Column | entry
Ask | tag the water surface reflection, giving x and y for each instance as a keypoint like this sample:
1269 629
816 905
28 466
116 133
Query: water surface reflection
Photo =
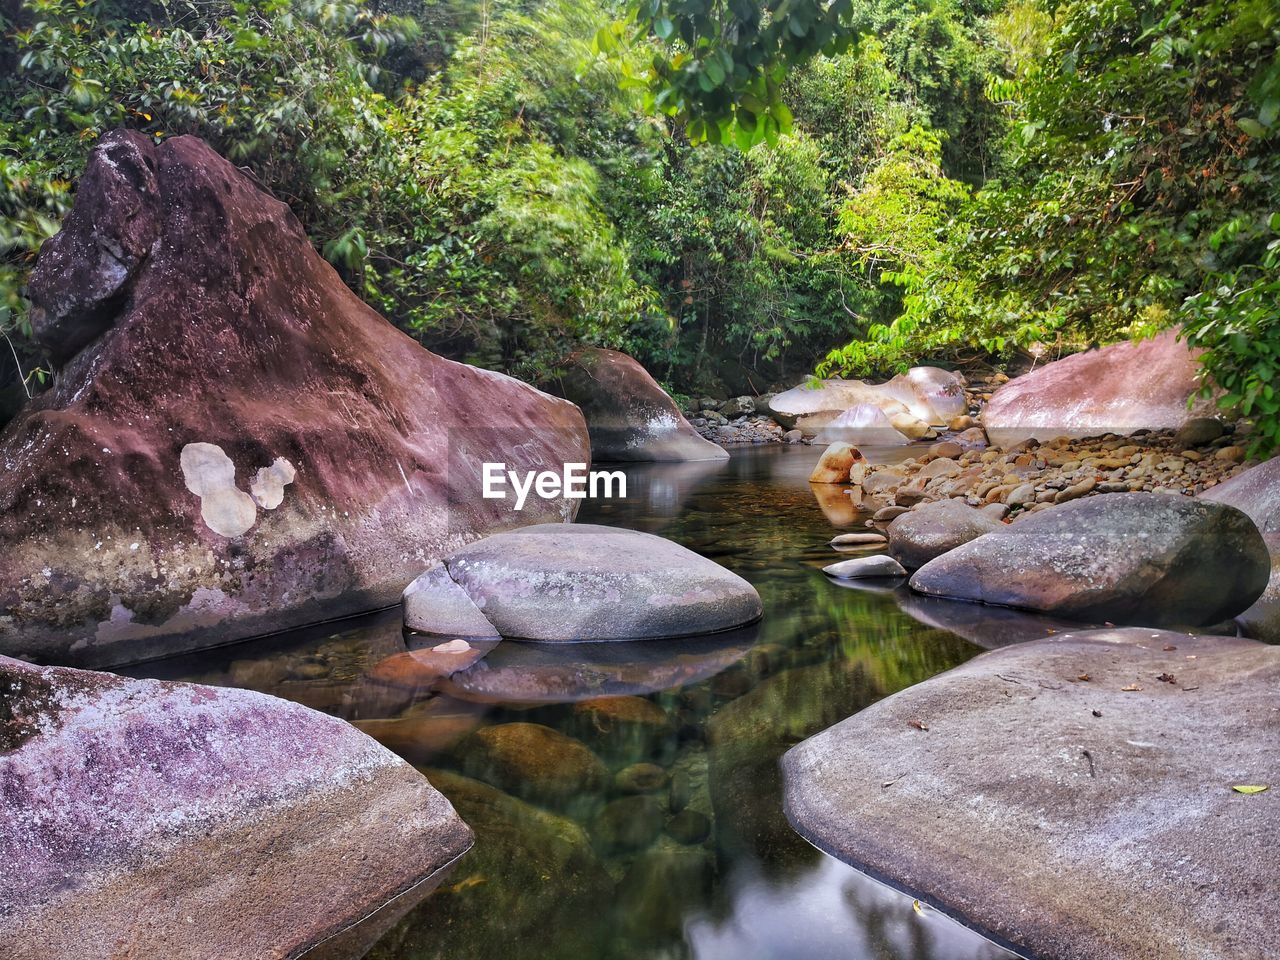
626 800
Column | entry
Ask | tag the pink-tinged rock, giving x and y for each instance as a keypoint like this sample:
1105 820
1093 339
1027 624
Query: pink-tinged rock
1120 389
235 443
419 669
142 818
630 417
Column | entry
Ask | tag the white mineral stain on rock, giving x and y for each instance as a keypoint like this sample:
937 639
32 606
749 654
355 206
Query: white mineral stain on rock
267 486
210 475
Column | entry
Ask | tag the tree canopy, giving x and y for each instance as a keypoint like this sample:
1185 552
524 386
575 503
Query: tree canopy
735 192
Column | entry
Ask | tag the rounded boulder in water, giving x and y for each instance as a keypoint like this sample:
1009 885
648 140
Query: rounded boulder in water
563 582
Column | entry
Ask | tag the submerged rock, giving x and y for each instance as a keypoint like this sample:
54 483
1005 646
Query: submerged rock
235 443
563 672
565 582
1122 388
533 762
148 818
1257 493
1077 793
623 728
932 529
628 415
532 887
627 825
1138 558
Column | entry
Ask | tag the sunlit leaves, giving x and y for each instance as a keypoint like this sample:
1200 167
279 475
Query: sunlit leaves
718 65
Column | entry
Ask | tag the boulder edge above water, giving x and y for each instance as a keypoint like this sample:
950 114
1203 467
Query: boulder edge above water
211 824
629 416
1257 493
1147 559
1072 819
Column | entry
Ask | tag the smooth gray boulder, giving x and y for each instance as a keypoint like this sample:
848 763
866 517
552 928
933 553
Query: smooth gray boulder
1257 493
434 603
1071 796
931 529
1134 558
567 582
865 567
145 818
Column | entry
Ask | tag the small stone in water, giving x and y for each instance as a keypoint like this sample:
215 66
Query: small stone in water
689 827
453 646
857 539
640 778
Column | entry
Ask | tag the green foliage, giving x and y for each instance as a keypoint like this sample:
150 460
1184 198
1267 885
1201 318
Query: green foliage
719 65
1137 191
1237 320
685 180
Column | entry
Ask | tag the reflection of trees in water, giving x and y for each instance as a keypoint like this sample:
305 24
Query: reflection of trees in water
535 886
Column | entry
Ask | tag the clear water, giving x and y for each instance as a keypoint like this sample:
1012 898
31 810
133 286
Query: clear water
593 871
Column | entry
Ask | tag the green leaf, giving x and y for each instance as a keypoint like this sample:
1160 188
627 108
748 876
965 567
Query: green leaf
1252 127
663 28
782 115
1250 788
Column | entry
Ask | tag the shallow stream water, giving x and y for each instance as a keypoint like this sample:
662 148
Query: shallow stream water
669 842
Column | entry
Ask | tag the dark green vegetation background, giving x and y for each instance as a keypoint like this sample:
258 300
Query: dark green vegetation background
505 179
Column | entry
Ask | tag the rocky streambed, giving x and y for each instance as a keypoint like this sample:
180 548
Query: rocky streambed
606 708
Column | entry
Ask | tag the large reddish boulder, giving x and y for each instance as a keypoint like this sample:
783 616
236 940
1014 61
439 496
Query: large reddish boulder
236 444
1121 389
145 818
630 417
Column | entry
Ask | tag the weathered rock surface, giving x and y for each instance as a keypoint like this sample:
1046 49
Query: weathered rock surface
934 528
1257 493
236 444
628 415
1117 389
147 818
566 582
925 394
1073 818
434 603
1135 558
